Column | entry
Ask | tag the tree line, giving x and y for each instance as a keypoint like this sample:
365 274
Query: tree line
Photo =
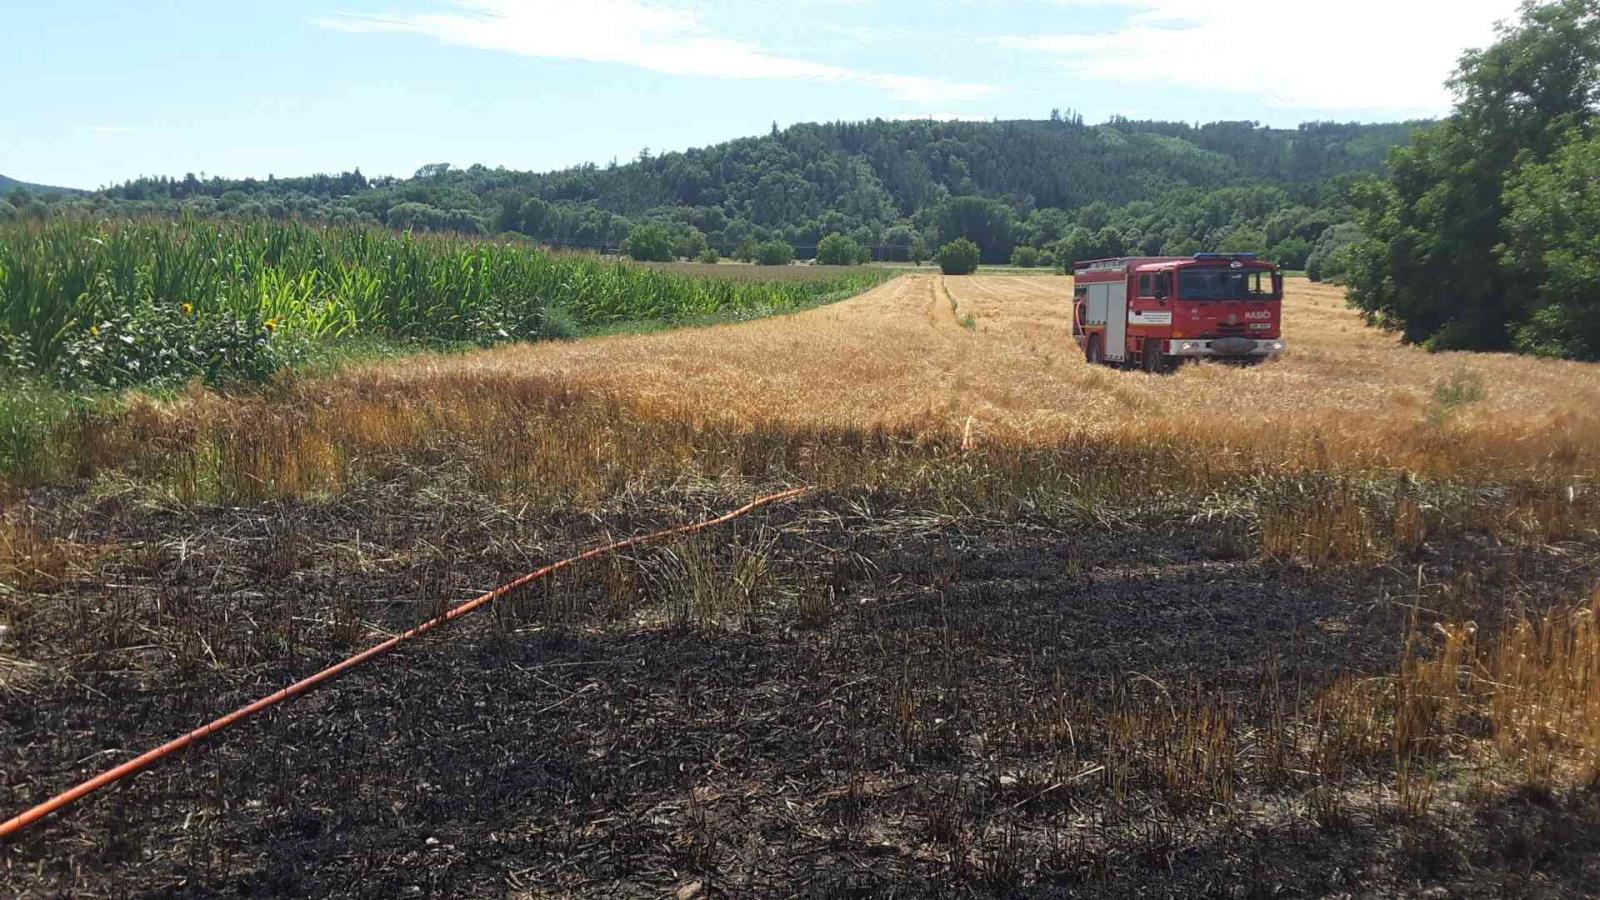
1485 233
1031 191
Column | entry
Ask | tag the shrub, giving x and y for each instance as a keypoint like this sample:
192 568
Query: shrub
1025 257
709 257
649 243
898 243
838 250
959 257
1290 253
774 253
1330 256
166 346
407 216
690 243
1080 244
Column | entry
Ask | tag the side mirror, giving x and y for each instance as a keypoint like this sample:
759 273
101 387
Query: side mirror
1161 290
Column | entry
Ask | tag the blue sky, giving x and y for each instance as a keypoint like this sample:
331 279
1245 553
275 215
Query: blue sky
100 92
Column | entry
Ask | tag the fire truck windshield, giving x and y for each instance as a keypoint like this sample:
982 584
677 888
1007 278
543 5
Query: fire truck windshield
1225 284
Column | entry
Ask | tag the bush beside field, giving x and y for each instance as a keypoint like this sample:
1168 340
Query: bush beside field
959 257
107 304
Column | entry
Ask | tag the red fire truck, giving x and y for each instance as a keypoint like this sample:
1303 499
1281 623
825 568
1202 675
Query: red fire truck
1156 311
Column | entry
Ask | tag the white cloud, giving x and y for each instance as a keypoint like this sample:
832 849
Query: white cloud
669 40
1389 55
110 129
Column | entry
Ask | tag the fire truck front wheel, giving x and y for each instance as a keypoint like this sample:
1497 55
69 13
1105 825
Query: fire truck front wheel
1154 361
1093 352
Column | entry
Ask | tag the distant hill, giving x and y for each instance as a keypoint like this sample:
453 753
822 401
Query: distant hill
7 184
889 185
1055 163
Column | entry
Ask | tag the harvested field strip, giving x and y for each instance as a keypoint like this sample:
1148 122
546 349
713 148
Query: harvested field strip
151 757
1347 396
870 373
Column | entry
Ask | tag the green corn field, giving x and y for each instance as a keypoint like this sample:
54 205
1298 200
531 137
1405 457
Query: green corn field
116 302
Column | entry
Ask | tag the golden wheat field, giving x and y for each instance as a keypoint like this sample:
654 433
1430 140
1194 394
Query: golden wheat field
1320 627
984 363
997 352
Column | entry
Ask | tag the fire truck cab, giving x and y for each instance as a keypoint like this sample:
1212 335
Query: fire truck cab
1156 311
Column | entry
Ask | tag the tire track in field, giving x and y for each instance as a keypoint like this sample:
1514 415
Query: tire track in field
1021 325
942 304
952 396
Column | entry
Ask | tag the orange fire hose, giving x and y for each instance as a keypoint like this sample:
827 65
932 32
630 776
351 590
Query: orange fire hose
149 758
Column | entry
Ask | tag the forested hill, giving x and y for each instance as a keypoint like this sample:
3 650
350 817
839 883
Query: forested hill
896 186
908 166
